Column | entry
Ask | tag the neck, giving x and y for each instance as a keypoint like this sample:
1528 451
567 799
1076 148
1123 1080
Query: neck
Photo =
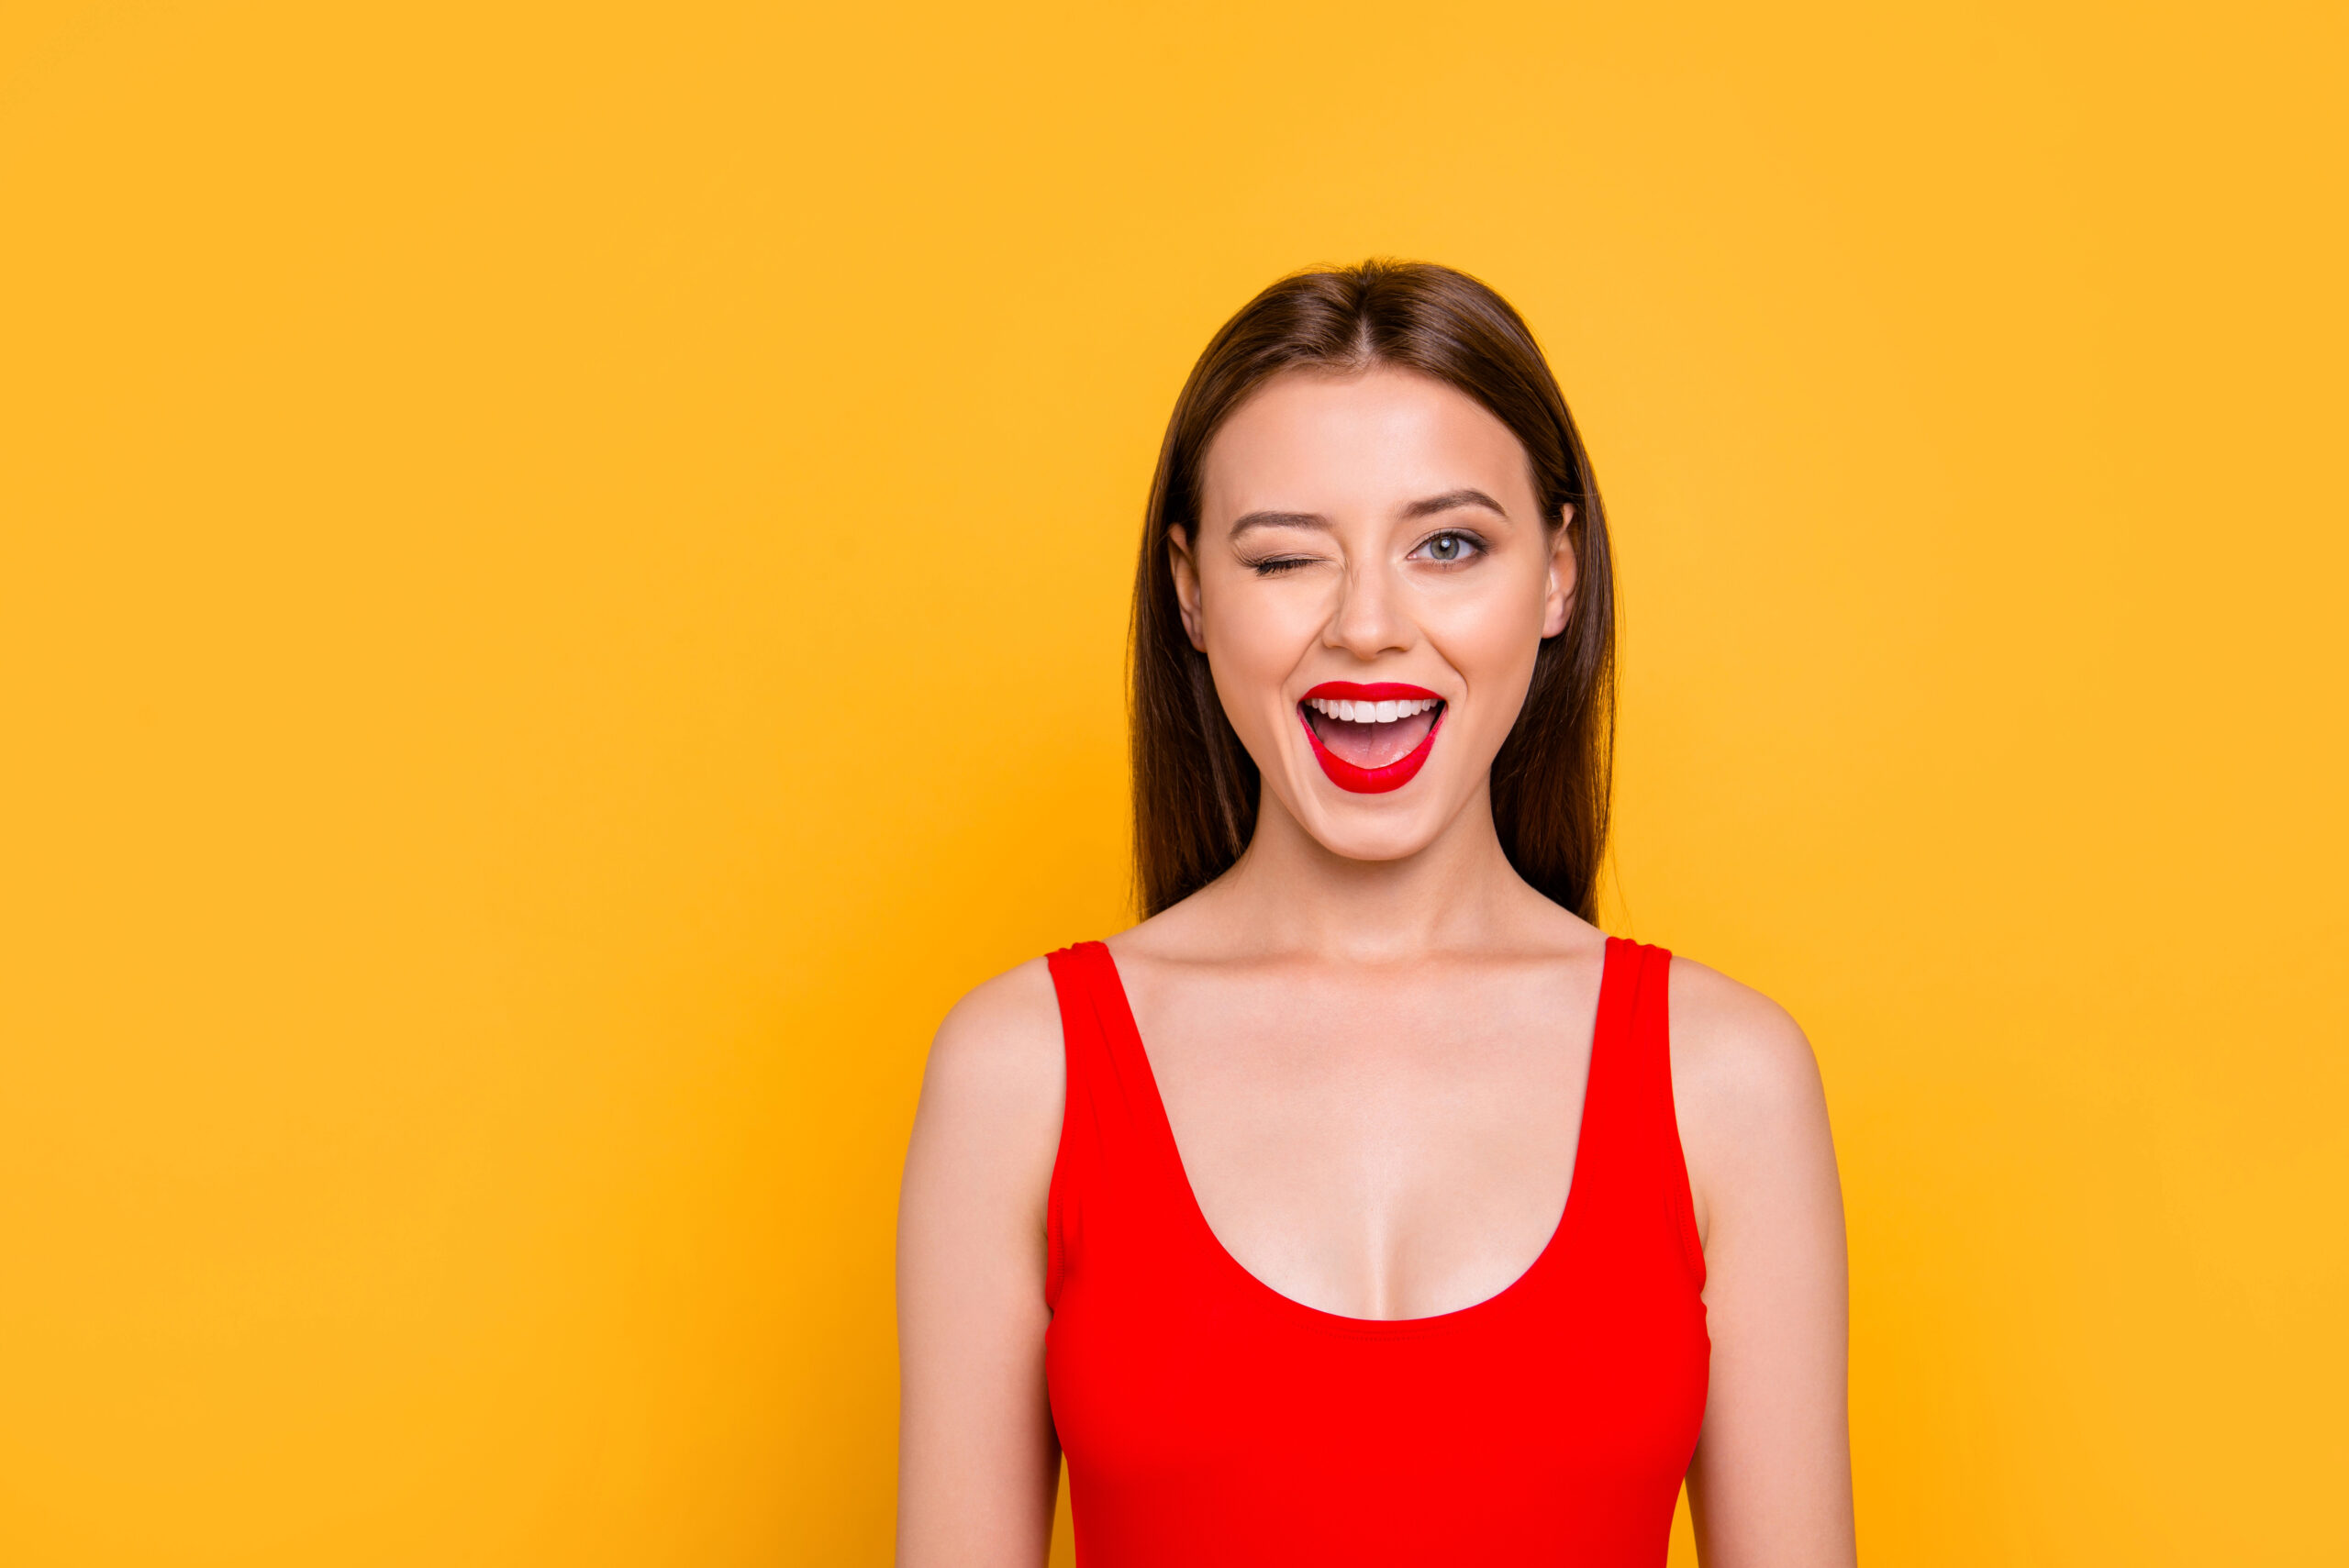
1288 893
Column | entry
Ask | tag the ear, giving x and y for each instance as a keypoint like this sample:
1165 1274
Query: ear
1186 583
1558 591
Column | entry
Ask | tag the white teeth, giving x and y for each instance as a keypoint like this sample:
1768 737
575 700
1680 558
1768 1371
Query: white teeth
1369 712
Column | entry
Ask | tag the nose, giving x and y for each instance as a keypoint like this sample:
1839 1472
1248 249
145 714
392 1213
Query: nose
1368 619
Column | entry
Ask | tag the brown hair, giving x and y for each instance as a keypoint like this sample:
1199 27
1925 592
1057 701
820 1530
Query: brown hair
1195 786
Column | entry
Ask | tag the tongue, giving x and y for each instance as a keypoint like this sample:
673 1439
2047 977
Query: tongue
1371 745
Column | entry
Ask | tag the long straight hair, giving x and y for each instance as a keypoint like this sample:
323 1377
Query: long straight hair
1195 786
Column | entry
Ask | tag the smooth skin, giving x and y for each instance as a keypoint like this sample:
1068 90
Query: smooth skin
1371 1034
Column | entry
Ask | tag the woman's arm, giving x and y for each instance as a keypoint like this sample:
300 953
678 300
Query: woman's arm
978 1463
1771 1486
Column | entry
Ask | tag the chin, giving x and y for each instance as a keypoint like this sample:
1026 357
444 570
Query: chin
1391 830
1374 849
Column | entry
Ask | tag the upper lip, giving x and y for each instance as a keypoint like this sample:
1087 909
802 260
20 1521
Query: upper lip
1374 691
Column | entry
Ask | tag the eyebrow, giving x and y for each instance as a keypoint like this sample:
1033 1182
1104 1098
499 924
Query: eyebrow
1450 500
1279 520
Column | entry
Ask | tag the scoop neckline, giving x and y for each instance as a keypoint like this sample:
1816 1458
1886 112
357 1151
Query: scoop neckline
1611 968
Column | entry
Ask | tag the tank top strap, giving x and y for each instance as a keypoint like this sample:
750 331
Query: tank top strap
1630 1130
1106 1118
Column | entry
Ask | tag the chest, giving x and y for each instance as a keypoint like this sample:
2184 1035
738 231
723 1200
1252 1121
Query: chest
1220 1402
1376 1149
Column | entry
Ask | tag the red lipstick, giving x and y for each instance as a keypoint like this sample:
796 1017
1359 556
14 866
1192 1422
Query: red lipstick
1352 776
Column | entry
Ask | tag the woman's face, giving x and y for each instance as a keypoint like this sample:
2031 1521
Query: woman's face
1371 581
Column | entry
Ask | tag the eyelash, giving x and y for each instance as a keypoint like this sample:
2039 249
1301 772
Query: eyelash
1463 535
1275 565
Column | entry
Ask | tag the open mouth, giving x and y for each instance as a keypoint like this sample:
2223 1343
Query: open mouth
1371 739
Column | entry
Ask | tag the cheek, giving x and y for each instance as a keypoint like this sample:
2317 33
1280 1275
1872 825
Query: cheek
1492 640
1256 633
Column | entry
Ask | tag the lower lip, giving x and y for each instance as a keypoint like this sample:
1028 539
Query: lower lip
1373 781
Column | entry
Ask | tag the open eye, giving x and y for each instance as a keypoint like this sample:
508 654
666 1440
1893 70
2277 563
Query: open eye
1450 548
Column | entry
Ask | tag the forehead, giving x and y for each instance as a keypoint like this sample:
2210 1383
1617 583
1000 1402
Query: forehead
1370 441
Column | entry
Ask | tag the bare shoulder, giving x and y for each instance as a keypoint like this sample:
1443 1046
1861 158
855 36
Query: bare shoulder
972 1259
999 1048
1728 1039
1745 1087
988 1125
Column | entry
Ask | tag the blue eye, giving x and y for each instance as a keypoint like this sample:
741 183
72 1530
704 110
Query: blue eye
1448 549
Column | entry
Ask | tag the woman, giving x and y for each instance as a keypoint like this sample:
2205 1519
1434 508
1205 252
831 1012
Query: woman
1429 1224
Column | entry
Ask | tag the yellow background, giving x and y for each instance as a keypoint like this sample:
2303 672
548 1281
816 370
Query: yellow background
563 573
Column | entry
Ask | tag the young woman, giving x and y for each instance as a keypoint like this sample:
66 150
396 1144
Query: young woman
1366 1204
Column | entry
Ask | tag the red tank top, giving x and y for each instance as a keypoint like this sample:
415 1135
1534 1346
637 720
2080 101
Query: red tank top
1207 1419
